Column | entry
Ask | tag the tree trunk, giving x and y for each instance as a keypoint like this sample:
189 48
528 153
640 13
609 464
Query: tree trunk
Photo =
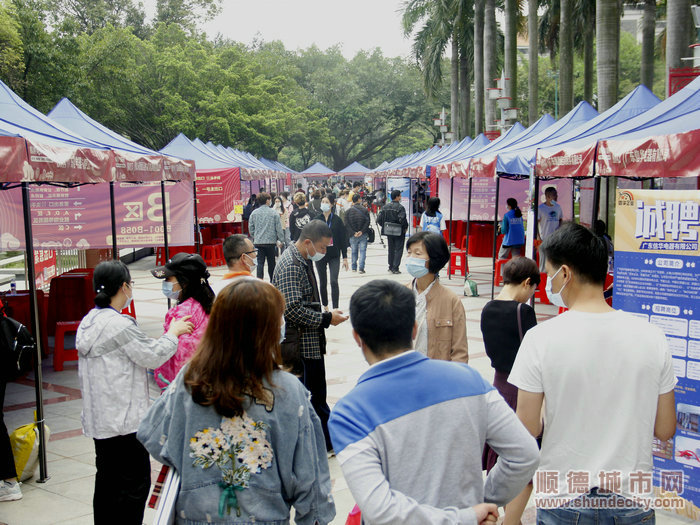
607 26
511 50
566 57
648 30
454 88
489 57
588 63
464 95
676 34
478 66
533 55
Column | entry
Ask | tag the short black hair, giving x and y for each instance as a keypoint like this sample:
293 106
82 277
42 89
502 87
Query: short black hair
432 206
518 269
579 248
435 245
107 280
376 302
234 247
355 198
550 189
299 185
315 231
395 193
356 185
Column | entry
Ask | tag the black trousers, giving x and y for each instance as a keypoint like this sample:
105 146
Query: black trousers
395 243
7 460
122 482
266 251
314 379
333 264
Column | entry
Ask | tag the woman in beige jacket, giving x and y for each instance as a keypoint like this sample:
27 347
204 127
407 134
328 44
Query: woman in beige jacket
442 323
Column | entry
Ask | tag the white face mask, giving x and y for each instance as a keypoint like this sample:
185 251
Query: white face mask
555 298
253 264
129 299
316 256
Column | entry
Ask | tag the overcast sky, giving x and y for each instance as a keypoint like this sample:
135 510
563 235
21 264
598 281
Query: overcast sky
355 24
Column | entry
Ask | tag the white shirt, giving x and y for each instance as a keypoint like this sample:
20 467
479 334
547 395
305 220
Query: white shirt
601 375
549 218
421 342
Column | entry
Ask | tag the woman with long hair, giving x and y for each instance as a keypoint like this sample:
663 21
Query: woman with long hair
337 247
113 355
432 220
513 231
240 432
185 280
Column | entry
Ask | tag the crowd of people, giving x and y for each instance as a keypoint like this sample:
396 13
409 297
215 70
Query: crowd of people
244 420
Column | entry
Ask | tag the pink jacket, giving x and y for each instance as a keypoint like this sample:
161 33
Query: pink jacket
187 343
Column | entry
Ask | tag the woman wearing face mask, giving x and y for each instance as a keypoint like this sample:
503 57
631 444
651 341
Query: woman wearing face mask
113 354
504 322
185 281
442 323
241 433
337 247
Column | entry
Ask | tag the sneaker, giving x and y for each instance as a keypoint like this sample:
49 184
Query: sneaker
396 272
10 491
362 271
354 270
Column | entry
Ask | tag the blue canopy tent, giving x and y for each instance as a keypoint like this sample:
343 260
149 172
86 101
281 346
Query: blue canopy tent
318 169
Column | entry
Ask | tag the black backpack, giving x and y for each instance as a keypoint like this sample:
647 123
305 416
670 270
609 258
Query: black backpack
17 348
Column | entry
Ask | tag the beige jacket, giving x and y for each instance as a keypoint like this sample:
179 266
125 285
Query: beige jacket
447 325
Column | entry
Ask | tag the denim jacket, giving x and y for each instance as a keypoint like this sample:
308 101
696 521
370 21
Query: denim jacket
281 460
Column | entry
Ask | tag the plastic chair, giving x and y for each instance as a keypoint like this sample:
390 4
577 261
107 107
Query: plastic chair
210 254
498 278
541 292
60 354
461 256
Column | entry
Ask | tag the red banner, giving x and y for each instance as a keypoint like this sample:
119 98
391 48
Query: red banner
136 167
483 167
13 159
179 169
44 267
218 195
567 162
68 164
676 155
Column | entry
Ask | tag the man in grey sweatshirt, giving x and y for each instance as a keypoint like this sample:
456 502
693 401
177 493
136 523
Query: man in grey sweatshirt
265 227
409 437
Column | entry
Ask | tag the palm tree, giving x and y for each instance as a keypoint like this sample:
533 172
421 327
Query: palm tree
511 10
490 56
648 30
533 55
677 13
478 66
608 50
566 57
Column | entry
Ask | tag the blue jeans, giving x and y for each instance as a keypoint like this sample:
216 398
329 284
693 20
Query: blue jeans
596 512
359 247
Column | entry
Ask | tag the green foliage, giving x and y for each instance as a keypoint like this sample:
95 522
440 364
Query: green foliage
150 82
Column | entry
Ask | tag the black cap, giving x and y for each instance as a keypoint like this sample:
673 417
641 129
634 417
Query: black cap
187 263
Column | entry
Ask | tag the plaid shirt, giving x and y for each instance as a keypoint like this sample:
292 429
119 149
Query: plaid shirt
292 280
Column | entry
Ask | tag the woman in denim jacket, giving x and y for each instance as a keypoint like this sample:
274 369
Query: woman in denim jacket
241 433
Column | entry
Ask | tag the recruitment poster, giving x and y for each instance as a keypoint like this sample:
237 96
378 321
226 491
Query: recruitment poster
403 184
657 277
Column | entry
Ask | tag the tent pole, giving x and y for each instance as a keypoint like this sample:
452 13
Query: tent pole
469 223
165 226
197 240
607 199
34 315
596 200
452 199
535 204
495 238
115 248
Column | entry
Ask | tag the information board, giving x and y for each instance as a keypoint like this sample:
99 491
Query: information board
657 277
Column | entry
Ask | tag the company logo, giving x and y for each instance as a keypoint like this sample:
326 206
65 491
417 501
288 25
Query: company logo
625 198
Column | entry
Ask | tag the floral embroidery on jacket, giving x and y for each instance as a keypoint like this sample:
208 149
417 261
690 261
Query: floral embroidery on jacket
239 447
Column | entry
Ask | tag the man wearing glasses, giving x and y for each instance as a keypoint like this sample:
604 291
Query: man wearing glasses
241 259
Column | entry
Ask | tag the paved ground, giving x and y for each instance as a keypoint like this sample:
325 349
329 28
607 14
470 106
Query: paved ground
67 496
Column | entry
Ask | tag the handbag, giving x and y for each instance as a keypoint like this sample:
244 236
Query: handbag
370 235
17 346
392 228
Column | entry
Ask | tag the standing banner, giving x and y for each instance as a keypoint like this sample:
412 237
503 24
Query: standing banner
218 194
44 267
402 184
657 277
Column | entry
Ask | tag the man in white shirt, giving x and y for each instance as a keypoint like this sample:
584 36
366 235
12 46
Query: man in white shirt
241 259
549 218
608 381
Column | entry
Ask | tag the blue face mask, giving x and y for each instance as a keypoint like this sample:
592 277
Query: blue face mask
169 292
416 267
325 207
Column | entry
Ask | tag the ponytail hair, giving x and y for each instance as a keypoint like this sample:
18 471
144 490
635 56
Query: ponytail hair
107 280
514 206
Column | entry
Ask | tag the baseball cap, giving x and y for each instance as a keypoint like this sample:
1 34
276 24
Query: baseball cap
188 263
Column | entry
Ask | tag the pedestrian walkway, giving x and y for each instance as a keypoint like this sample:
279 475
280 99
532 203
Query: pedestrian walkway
66 497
